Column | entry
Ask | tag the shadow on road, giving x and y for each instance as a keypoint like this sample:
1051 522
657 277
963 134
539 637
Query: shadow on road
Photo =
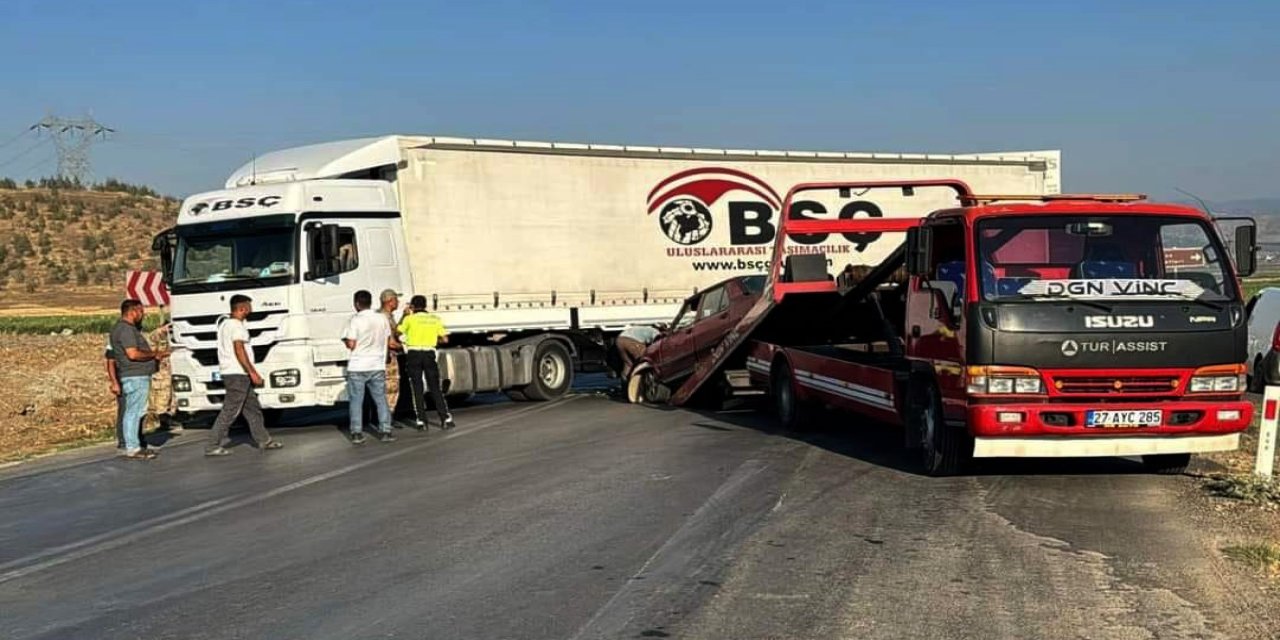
882 445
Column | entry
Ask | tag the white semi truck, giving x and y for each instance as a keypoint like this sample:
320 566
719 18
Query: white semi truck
534 254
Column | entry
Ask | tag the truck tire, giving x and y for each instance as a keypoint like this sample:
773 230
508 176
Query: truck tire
793 413
943 449
1169 464
552 372
1256 381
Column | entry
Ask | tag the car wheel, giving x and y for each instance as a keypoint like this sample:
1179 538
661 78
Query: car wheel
650 390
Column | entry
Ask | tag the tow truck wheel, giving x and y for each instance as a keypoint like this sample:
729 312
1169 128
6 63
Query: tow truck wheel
1169 464
793 413
552 372
941 447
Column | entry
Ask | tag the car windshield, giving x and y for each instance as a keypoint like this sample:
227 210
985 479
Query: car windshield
1116 257
250 253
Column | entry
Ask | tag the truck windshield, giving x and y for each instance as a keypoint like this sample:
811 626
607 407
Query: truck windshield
1113 257
234 254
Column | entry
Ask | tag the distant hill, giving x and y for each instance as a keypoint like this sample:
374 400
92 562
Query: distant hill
56 236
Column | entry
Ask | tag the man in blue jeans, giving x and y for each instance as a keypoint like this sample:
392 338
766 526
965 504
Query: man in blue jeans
368 337
135 364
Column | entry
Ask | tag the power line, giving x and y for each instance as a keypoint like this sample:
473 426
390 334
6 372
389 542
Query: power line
14 138
39 143
43 161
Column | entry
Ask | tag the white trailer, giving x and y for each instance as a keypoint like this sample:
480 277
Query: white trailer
534 254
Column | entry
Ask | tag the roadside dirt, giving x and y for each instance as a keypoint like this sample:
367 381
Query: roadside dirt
53 394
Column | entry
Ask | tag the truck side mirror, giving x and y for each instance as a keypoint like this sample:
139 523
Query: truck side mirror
1246 250
918 249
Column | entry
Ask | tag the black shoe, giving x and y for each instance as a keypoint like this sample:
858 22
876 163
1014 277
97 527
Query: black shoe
358 438
387 436
420 425
448 423
271 445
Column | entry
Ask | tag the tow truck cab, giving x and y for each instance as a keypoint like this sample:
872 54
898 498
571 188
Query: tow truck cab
1010 326
1076 317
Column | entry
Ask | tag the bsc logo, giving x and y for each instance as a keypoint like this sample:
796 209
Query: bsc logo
685 201
686 221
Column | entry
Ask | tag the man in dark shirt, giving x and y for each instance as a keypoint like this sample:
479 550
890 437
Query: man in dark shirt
135 363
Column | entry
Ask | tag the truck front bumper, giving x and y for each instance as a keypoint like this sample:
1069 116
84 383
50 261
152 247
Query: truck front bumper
1085 447
1035 430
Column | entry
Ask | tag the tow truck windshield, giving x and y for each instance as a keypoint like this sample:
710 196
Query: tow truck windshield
247 253
1101 257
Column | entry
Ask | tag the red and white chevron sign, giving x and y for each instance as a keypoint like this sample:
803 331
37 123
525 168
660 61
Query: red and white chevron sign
148 287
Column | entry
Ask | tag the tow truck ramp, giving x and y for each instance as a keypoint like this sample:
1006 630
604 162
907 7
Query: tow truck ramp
807 273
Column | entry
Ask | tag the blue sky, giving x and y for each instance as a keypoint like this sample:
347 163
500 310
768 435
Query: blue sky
1140 96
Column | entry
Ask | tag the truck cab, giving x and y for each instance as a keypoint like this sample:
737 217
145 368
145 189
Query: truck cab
1073 317
298 250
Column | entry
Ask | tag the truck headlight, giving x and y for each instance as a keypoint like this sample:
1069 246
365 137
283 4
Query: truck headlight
181 384
1003 381
1218 379
286 378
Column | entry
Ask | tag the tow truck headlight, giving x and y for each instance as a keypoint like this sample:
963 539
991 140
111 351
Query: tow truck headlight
181 384
286 378
1003 381
1218 379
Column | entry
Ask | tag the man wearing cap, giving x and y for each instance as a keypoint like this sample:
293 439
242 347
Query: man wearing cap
390 304
420 333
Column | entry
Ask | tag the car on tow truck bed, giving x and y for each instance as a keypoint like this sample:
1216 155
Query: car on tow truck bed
701 323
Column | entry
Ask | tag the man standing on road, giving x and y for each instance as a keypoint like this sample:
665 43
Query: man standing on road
368 337
239 377
390 303
135 363
630 346
160 400
421 332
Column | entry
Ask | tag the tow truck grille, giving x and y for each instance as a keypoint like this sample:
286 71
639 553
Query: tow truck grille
1117 385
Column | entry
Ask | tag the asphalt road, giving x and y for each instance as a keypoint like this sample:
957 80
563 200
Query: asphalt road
589 518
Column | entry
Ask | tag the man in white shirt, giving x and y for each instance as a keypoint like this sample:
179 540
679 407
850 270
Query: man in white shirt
368 337
239 377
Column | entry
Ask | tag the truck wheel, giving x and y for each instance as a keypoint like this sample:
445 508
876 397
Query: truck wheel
1256 381
1169 464
942 448
552 372
793 413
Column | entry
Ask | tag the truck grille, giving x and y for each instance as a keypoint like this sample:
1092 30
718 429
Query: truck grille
1117 385
209 357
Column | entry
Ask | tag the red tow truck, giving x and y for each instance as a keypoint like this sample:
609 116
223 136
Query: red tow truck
1008 326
